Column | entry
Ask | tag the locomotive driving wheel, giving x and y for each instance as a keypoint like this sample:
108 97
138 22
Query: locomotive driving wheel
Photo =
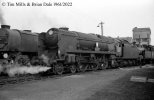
82 68
113 63
72 68
59 69
94 67
22 60
104 65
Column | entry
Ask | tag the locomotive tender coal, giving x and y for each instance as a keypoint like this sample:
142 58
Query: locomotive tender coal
65 50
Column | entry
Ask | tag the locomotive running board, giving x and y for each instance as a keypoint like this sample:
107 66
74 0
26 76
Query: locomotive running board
90 52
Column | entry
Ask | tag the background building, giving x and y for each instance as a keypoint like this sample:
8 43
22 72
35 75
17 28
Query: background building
142 36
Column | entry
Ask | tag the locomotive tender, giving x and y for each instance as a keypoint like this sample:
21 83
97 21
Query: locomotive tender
148 54
65 50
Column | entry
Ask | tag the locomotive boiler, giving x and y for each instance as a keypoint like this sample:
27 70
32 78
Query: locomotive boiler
17 45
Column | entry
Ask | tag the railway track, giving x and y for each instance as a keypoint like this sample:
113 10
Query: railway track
6 80
14 80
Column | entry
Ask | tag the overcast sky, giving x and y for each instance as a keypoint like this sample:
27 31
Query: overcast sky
119 16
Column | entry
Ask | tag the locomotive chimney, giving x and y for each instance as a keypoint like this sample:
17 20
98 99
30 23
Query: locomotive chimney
64 28
5 26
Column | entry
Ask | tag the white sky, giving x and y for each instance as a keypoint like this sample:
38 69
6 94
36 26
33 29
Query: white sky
119 16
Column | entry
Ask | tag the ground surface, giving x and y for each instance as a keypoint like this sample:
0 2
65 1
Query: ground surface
101 85
128 88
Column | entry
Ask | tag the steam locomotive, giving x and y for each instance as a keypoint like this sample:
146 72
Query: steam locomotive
75 51
72 51
17 45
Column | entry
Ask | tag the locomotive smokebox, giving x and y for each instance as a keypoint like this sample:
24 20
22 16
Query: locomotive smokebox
5 26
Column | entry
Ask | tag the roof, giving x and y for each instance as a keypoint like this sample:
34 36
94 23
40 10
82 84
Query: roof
141 29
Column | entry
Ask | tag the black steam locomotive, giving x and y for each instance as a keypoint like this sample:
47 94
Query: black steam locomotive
16 45
65 50
75 51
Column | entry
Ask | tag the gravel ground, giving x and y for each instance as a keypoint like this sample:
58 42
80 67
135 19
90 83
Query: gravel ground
101 85
126 88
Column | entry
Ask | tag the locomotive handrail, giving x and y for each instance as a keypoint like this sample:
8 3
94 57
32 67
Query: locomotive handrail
94 52
94 40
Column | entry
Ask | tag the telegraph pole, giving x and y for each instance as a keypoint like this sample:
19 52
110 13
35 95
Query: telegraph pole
101 25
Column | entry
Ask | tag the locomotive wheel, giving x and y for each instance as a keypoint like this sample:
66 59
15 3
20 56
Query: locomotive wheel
22 60
104 65
35 61
82 68
59 69
72 68
131 63
113 63
94 67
